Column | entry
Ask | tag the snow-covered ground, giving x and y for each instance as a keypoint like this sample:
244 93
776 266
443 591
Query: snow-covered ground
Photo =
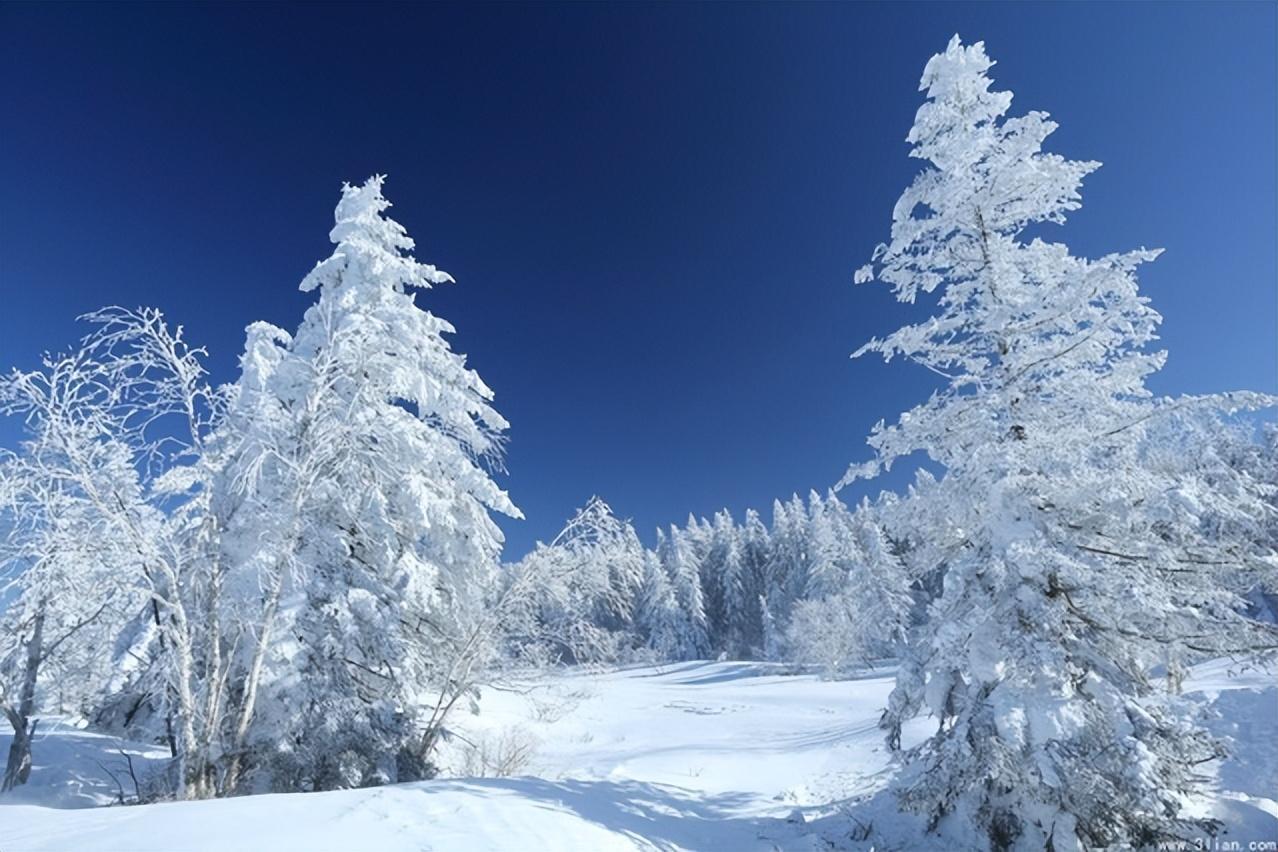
702 756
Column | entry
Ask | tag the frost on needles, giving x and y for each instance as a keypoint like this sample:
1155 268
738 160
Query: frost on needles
1080 544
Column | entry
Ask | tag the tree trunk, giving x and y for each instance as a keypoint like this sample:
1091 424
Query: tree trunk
1176 673
168 710
18 767
215 674
252 679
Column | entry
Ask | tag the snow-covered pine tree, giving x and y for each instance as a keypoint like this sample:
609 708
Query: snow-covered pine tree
1226 453
678 559
386 548
657 617
607 559
724 574
865 615
625 559
1257 461
771 633
1077 563
786 568
746 614
879 583
827 563
697 535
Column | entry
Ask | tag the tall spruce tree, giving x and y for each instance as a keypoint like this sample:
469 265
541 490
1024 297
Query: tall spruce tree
380 544
1075 556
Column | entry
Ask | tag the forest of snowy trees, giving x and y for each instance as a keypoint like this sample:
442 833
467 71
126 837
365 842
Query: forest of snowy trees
823 585
294 580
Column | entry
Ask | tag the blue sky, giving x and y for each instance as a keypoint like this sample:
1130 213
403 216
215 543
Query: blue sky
653 212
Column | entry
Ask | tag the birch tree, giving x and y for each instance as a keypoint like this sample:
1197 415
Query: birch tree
116 428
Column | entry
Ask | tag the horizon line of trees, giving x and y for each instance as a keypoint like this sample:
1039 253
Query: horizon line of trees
823 585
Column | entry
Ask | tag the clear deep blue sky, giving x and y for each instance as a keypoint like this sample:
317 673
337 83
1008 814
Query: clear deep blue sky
653 212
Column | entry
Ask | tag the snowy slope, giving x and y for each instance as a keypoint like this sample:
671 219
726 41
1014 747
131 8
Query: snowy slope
691 756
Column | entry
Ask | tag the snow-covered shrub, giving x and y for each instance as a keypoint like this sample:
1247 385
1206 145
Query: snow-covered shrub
499 755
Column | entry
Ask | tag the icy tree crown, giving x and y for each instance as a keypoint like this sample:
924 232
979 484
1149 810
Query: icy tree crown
961 131
1025 333
363 235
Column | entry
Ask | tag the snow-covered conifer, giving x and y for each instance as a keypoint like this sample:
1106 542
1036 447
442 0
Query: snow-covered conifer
1035 657
380 549
746 615
827 555
658 621
723 576
866 616
678 559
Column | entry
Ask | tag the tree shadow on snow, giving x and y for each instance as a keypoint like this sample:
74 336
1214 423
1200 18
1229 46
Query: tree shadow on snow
725 672
665 817
75 768
668 669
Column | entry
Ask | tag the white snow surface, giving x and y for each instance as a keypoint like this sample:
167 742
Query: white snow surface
697 756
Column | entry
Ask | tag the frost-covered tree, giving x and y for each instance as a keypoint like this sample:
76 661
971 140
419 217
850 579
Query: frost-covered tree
828 555
1202 442
745 613
866 616
66 580
881 582
624 561
722 580
1076 557
116 429
658 621
370 536
679 561
786 570
698 537
825 633
582 609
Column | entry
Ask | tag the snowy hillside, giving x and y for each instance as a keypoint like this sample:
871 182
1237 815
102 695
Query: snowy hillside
697 756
